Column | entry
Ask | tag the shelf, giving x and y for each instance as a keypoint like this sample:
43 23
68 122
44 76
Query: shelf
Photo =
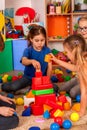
59 14
55 40
79 13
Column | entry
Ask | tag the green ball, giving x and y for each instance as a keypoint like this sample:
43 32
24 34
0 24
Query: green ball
9 78
67 78
20 73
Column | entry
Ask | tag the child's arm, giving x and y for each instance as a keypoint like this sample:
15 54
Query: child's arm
26 61
49 69
64 64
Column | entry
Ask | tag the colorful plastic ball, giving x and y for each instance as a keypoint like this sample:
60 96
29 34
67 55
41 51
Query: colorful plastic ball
14 78
34 128
58 120
1 80
68 71
10 95
19 101
67 78
20 74
9 78
4 79
78 98
54 126
74 116
67 124
54 79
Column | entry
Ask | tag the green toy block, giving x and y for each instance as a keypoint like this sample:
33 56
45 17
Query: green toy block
6 62
45 91
54 51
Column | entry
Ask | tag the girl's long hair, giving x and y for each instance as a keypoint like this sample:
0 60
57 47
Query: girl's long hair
35 30
79 45
2 45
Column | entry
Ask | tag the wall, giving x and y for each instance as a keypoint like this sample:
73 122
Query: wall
2 4
17 4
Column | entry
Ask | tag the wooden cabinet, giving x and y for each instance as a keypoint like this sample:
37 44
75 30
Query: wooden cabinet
61 24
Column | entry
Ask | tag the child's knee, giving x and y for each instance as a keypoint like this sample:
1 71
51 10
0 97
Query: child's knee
73 94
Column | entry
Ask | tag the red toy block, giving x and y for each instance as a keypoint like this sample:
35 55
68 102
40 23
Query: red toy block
41 87
46 80
62 98
40 100
36 80
38 74
37 110
54 105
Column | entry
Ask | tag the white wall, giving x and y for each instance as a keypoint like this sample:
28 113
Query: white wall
39 6
2 4
17 4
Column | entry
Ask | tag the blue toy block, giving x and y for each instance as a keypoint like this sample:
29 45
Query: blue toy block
18 49
46 114
27 112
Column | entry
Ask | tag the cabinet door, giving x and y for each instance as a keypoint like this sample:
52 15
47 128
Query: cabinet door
18 48
6 62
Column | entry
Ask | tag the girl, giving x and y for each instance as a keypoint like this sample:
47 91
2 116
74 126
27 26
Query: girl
82 26
7 108
76 50
72 86
33 59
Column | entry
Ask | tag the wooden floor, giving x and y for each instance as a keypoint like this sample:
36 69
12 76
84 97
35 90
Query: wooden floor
79 127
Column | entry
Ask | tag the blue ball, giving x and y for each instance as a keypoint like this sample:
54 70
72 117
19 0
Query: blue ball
54 126
67 124
78 98
34 128
10 95
54 79
1 81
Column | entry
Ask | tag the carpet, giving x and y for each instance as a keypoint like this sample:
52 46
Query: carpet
26 122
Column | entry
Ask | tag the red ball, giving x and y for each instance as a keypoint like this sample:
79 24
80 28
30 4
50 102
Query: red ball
20 76
14 78
58 120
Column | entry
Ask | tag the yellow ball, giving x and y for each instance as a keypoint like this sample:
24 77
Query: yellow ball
74 116
19 101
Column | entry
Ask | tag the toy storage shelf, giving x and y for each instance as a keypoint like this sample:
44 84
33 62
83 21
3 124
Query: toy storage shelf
61 25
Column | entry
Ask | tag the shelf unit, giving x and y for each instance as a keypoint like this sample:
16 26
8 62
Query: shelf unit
62 24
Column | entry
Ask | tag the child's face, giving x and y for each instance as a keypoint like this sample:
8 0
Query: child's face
38 42
83 28
69 53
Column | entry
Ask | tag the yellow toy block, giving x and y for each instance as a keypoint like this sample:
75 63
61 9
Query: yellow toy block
47 58
58 113
2 21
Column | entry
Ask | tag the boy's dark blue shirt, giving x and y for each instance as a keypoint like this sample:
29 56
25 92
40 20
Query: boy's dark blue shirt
30 53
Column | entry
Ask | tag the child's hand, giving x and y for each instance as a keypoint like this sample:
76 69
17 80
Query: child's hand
6 111
53 58
6 99
36 64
